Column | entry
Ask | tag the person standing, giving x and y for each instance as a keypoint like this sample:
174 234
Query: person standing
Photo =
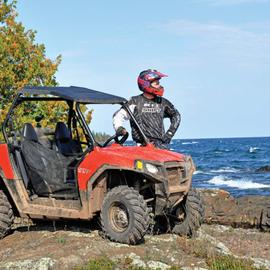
149 109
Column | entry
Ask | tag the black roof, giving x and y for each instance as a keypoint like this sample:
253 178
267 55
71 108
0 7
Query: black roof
74 93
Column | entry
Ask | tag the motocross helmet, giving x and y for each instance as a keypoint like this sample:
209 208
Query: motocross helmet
145 79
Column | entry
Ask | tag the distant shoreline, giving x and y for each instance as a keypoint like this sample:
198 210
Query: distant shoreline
259 137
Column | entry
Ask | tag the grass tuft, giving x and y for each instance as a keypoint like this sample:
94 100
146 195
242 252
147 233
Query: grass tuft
222 262
61 240
98 264
214 262
105 263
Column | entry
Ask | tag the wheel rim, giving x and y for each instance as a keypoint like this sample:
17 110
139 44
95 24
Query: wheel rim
181 213
118 216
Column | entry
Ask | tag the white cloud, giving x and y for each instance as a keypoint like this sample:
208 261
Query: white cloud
214 29
246 42
230 2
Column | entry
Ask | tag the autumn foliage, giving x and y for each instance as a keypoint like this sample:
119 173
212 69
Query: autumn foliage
23 62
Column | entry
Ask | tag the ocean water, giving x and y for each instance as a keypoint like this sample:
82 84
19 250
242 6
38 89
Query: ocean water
229 163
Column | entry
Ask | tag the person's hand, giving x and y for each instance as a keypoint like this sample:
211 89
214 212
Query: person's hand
166 139
121 131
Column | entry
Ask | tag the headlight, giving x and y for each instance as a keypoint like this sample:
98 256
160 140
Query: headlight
151 168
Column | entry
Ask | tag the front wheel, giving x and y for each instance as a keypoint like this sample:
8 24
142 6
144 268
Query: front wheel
189 214
124 215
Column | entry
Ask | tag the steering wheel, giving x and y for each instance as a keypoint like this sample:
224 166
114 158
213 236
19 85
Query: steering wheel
117 138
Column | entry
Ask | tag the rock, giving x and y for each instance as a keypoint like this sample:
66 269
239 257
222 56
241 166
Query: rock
136 260
70 262
264 169
162 238
265 219
219 246
66 249
157 265
118 245
41 264
261 263
246 212
79 234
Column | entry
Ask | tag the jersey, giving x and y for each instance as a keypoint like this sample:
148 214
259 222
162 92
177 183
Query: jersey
150 114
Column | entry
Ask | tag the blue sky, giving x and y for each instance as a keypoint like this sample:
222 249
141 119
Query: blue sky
216 53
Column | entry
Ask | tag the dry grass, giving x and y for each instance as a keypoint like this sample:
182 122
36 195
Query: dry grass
199 247
105 263
216 261
220 262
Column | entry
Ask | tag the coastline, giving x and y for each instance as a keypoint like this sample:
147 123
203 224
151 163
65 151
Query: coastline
234 230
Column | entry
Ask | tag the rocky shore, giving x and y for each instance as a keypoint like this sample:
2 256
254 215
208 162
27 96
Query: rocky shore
238 228
243 212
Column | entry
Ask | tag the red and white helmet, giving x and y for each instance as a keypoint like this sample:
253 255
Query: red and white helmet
145 79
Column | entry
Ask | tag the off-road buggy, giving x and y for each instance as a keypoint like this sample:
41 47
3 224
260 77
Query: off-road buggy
75 177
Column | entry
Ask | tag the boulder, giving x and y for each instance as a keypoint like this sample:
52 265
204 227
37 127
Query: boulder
264 169
245 212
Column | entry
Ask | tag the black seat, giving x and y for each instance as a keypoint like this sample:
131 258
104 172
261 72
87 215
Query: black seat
47 169
63 140
29 133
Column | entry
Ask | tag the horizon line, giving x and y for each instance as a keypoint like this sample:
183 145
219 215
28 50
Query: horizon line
233 137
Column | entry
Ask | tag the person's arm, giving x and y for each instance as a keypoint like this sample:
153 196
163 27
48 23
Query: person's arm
175 118
120 117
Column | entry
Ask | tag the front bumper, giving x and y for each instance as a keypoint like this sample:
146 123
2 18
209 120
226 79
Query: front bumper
178 177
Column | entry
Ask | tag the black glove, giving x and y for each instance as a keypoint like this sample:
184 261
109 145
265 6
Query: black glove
166 138
121 131
160 144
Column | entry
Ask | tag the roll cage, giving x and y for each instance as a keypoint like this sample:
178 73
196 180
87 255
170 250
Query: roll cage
74 96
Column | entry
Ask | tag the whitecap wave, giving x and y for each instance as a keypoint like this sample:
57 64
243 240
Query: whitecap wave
198 172
225 170
189 142
240 183
253 149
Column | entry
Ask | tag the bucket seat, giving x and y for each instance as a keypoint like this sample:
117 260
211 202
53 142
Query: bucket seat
46 168
64 142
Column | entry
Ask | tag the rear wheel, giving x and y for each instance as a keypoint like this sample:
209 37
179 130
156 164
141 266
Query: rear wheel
189 214
124 215
6 215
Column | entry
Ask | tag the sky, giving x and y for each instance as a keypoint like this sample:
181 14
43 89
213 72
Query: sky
216 54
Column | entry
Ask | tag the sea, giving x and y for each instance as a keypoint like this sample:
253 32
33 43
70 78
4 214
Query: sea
229 163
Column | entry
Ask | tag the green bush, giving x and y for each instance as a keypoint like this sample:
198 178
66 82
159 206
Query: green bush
98 264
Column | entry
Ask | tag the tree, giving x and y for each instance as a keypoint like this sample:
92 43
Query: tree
22 62
100 137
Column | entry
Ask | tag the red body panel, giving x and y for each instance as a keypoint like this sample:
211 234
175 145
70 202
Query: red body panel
121 156
5 163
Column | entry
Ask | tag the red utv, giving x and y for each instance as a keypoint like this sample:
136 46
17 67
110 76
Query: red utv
66 174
